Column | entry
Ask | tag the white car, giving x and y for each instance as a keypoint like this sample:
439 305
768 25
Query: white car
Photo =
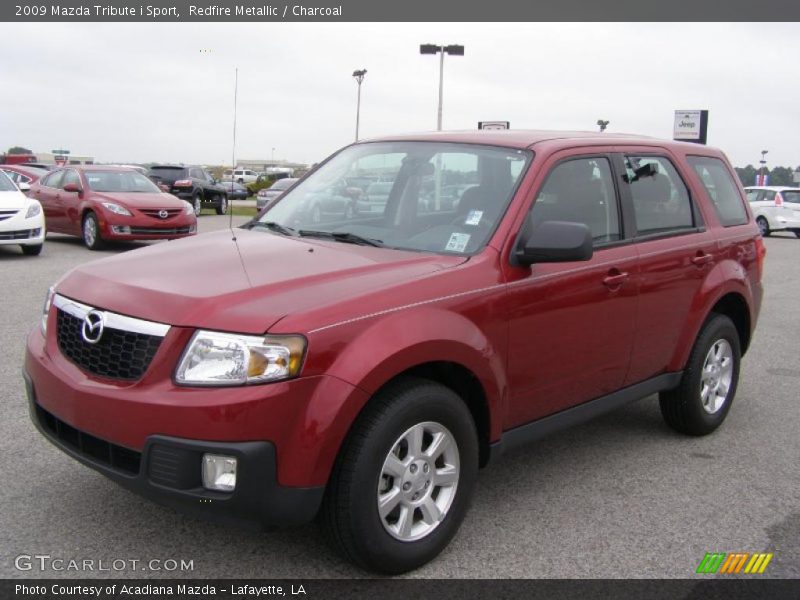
775 208
242 176
21 218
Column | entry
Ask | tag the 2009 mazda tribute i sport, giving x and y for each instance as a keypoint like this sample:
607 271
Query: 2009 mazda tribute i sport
358 356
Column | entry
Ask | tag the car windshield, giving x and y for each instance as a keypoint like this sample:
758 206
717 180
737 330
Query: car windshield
120 181
401 195
6 185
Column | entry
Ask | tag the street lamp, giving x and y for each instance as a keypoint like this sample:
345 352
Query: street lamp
359 77
453 49
763 163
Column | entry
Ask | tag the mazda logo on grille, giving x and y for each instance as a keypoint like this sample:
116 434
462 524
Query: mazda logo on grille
92 328
163 214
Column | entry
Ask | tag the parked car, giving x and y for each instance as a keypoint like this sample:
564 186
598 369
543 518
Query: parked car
23 174
35 165
21 218
374 198
193 184
235 191
268 196
240 176
365 368
103 204
776 208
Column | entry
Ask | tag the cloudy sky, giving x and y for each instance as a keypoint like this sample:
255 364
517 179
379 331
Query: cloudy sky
165 92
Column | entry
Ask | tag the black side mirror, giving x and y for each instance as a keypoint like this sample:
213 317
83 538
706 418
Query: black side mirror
553 241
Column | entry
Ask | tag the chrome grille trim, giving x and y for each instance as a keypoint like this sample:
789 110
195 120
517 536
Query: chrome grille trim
111 319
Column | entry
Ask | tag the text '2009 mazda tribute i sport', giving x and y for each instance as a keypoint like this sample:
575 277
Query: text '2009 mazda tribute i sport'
364 366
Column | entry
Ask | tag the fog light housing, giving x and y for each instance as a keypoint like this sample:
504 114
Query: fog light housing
121 229
219 472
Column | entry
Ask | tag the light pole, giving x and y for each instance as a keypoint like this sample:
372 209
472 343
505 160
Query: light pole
453 49
763 163
359 77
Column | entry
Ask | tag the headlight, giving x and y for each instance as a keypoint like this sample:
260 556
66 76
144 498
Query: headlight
33 210
188 209
117 209
46 308
214 358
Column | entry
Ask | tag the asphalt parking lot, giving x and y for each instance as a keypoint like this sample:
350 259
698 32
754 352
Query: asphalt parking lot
622 496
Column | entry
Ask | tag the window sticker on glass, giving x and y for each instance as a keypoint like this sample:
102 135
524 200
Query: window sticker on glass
474 217
457 242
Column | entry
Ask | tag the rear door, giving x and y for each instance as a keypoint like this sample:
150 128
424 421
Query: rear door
675 250
571 325
69 203
46 193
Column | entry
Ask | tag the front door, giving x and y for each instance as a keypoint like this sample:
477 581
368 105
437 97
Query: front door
572 324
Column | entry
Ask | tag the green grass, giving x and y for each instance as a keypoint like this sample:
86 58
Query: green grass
238 211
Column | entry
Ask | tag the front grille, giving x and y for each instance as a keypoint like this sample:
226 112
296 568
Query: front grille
100 451
19 234
161 230
171 212
118 355
7 214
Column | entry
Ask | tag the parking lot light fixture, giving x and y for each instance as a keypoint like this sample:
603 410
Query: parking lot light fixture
454 50
359 77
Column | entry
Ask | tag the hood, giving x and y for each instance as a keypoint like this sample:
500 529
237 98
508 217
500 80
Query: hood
245 284
140 200
13 200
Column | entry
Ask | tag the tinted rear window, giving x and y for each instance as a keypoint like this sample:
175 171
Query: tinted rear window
721 188
168 173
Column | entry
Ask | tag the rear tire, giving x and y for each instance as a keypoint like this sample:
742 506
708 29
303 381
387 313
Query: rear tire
763 226
91 232
222 204
32 250
414 450
704 396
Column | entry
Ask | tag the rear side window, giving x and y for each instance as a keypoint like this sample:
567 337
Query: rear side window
660 199
792 196
581 190
54 180
70 177
721 188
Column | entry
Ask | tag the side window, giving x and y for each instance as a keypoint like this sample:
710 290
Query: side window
69 177
660 199
752 195
196 174
769 196
721 188
53 180
12 175
581 190
792 196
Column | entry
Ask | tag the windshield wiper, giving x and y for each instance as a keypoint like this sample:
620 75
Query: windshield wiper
272 226
342 236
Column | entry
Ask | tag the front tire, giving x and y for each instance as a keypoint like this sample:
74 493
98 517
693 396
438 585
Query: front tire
763 226
403 480
704 396
91 232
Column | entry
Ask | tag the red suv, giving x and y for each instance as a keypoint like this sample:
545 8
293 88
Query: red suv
364 366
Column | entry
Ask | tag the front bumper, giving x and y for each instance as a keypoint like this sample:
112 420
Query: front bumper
168 471
18 230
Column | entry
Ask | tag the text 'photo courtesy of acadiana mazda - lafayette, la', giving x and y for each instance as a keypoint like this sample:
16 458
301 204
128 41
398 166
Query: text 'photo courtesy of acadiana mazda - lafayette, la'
104 204
362 367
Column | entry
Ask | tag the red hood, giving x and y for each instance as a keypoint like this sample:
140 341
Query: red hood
246 285
140 200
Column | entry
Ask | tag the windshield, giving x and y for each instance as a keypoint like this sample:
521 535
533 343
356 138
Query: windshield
120 181
6 185
429 196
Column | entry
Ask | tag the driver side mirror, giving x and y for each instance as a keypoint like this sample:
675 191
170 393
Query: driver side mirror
553 241
24 186
73 187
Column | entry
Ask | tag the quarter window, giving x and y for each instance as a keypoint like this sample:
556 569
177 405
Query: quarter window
660 199
582 191
721 188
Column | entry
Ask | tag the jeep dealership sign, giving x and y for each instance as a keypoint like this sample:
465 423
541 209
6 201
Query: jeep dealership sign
690 126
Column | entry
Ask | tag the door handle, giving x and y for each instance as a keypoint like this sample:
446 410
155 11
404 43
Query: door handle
701 259
615 278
